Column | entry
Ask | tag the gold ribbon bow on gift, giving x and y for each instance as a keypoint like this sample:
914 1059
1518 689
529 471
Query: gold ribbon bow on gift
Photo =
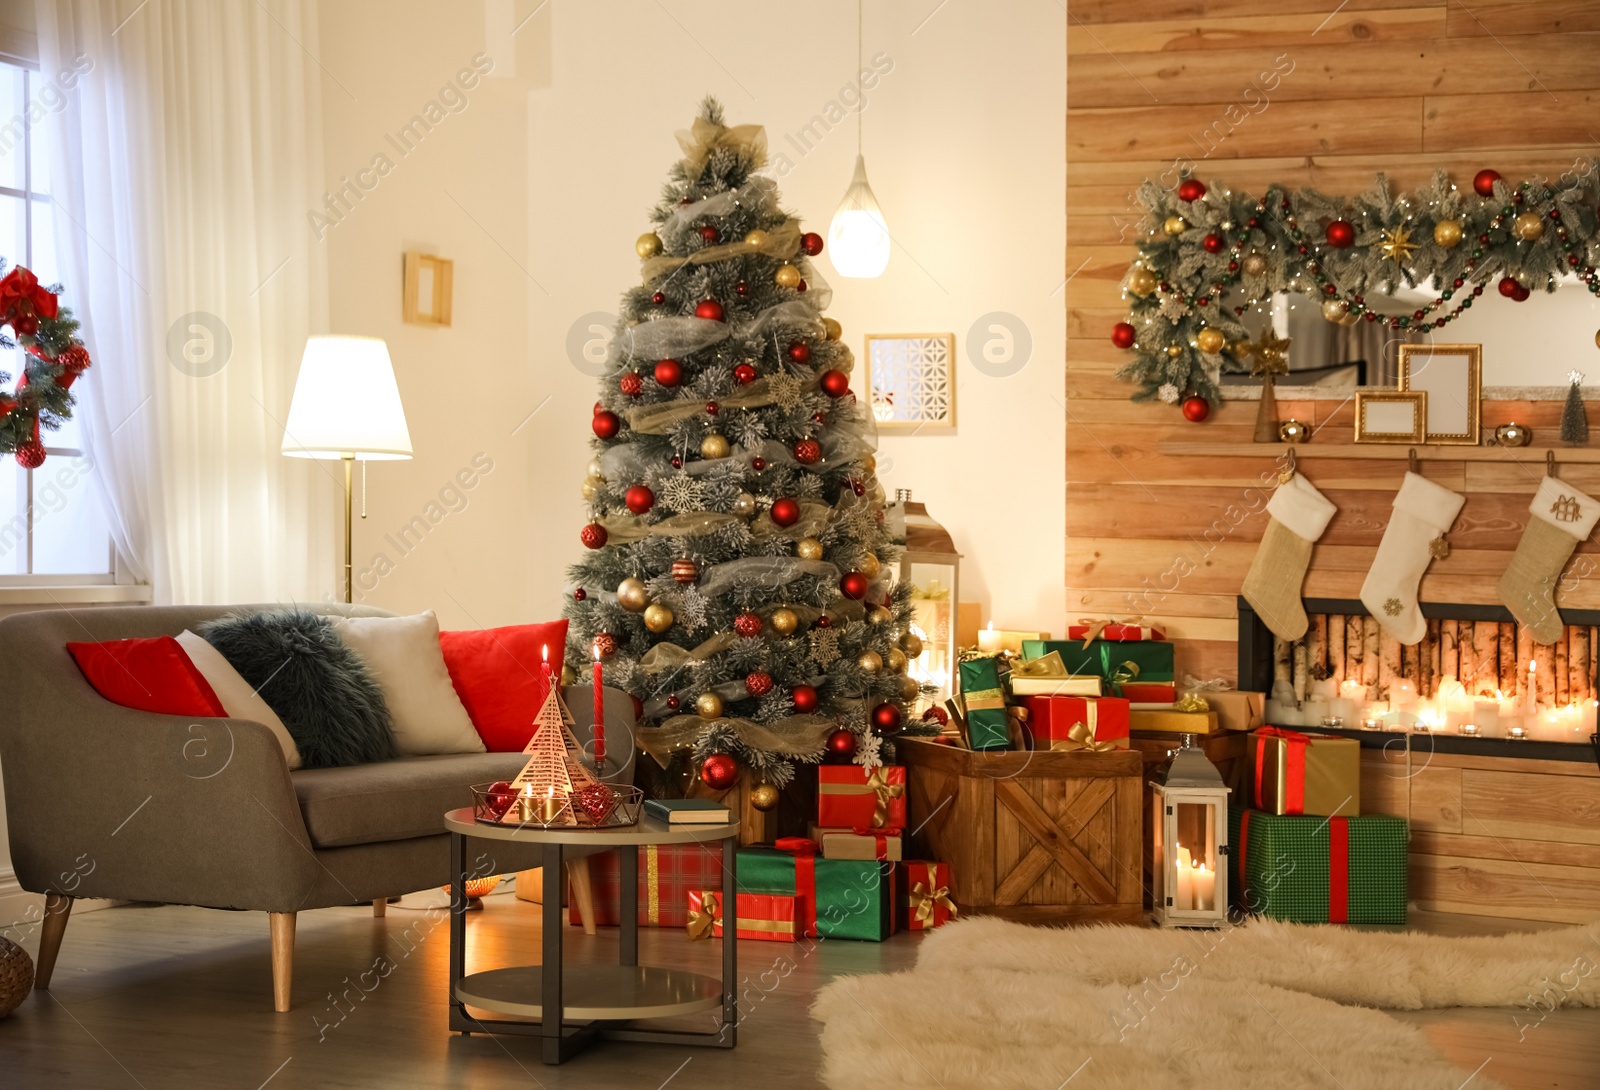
1047 666
1098 625
1193 684
885 791
1081 736
704 137
1121 675
924 898
703 920
1192 702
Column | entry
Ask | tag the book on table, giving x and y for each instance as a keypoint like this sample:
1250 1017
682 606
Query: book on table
688 811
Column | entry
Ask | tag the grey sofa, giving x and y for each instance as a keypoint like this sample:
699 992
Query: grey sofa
107 801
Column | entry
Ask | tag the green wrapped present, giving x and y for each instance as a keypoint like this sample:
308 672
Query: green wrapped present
1312 869
984 703
1118 661
841 898
1077 658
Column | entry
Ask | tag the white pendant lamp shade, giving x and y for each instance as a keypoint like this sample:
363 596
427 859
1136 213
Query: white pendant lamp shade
346 403
858 240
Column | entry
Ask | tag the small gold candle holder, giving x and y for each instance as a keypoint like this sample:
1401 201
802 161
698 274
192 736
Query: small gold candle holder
550 808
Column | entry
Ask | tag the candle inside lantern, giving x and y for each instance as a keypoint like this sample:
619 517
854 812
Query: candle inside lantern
599 714
1205 888
1183 899
550 805
989 640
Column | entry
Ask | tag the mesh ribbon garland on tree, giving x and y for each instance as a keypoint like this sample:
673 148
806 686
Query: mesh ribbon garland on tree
732 499
42 398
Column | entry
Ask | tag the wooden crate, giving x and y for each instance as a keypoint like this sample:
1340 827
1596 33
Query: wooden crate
1038 837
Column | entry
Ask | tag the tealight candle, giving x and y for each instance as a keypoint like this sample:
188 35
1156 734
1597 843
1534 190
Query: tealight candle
1517 733
1372 724
989 640
1469 729
549 806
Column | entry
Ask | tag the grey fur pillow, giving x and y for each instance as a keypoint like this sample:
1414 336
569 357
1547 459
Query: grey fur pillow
321 689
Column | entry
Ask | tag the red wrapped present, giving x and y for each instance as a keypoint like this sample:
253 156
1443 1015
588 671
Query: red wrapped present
848 796
667 872
924 895
1150 692
771 917
863 843
1052 718
1088 629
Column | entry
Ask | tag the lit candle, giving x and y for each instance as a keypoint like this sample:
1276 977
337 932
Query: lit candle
1183 899
989 640
1205 888
1532 692
549 806
1469 729
525 803
599 714
1517 732
1486 716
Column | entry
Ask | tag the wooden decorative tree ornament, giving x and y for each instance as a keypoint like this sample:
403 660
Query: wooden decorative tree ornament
1271 355
555 785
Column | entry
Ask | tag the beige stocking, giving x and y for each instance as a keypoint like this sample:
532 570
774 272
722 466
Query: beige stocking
1562 517
1299 515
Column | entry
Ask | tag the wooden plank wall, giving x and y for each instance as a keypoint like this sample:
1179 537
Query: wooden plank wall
1399 86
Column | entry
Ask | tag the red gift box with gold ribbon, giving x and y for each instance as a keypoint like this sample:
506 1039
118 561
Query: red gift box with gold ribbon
1088 629
924 895
770 917
666 873
850 797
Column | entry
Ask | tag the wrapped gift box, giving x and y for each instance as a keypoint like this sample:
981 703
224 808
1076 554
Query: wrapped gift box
851 797
769 917
983 702
1150 692
667 872
1076 658
924 891
1071 685
1312 869
1295 773
1110 659
1172 721
1102 630
1236 709
1051 718
839 898
857 843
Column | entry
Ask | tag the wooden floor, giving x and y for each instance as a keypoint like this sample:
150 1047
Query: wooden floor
151 997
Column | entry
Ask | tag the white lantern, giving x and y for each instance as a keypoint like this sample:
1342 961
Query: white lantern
1190 823
930 563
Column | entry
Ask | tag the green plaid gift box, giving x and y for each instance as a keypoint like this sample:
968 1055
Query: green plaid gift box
1312 869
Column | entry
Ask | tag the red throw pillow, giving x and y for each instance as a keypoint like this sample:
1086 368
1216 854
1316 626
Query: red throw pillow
499 677
153 675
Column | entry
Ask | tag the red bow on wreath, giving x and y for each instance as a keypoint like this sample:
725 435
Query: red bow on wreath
23 302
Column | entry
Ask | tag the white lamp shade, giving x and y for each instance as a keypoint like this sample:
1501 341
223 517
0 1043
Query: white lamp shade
858 239
346 403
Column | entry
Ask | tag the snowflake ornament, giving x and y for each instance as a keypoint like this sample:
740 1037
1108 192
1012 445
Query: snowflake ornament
786 390
824 646
1168 393
683 493
692 607
869 751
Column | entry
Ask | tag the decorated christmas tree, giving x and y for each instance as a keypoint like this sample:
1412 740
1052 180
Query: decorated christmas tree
738 583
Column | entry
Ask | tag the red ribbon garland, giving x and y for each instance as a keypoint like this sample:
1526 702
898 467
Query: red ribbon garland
1294 786
804 850
1338 870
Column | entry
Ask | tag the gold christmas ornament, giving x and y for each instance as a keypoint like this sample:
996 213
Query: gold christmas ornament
744 505
910 688
569 676
869 661
869 566
784 621
1175 225
1292 431
912 643
708 706
831 329
879 615
713 446
1333 310
869 463
647 244
787 276
756 239
808 548
594 469
592 487
1255 264
1597 338
657 618
897 661
1175 350
1142 282
764 797
1270 352
632 596
1447 233
1513 435
1211 341
1528 226
1396 245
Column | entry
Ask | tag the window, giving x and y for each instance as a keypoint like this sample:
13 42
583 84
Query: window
52 529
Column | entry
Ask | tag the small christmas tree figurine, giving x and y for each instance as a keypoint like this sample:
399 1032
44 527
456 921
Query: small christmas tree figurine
555 776
1574 422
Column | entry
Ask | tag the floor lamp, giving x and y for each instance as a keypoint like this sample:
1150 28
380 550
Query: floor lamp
346 406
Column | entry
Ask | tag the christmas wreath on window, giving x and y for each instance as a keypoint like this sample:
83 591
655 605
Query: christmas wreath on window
46 331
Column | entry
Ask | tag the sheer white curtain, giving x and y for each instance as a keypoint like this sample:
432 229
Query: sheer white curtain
184 162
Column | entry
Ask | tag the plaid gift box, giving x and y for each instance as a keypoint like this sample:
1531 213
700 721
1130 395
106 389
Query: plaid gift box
851 797
1312 869
667 872
840 898
1299 773
768 917
924 895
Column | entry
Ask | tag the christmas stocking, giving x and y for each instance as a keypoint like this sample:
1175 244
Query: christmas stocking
1299 515
1562 517
1423 511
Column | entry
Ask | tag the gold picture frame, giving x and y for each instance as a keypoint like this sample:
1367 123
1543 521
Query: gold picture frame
911 382
1452 377
1391 416
427 291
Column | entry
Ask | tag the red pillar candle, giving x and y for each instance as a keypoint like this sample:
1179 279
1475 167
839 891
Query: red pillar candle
599 714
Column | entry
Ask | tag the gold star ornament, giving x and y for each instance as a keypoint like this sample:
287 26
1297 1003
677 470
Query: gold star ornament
1397 245
1270 352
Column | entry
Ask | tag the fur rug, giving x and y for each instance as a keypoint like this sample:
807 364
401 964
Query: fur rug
993 1004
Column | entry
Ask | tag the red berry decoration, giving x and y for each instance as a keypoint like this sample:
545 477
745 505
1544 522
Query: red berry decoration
1123 335
758 464
579 595
836 383
842 743
658 298
630 384
669 372
1341 235
886 718
804 698
605 643
606 424
593 535
1483 182
744 374
758 683
685 571
1196 409
709 308
785 511
639 499
1213 244
800 352
747 624
1521 296
709 233
741 289
1191 189
712 408
1508 287
807 452
594 801
499 797
719 772
854 585
811 243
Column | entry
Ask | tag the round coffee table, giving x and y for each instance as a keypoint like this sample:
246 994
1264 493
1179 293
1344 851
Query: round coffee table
602 1001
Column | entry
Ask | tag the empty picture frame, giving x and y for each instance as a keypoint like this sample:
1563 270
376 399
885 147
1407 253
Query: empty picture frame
911 382
1391 416
1451 375
426 293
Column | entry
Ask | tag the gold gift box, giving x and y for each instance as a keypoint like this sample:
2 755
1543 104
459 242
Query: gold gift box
1070 685
1326 776
1173 722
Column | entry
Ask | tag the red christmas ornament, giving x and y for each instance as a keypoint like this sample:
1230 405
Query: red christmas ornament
1196 409
811 243
1123 335
709 233
1483 182
712 408
676 461
1191 189
605 643
658 298
1213 244
804 698
500 796
741 289
685 571
854 585
709 308
579 595
1508 287
673 703
800 351
824 621
785 511
638 708
758 683
801 287
758 464
744 374
886 718
1341 234
1521 296
669 372
835 383
747 624
719 772
595 801
639 499
630 384
842 743
807 452
938 715
858 487
606 424
599 407
593 535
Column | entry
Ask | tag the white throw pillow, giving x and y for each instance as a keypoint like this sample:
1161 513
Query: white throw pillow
238 699
404 657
